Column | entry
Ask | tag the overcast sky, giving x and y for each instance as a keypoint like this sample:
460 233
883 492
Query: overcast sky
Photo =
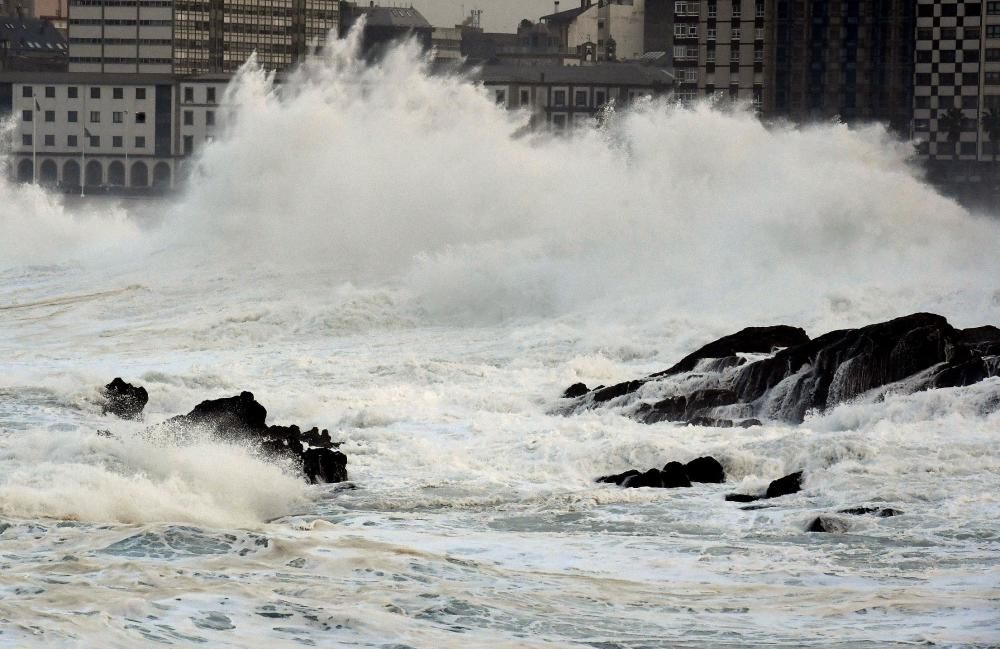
498 15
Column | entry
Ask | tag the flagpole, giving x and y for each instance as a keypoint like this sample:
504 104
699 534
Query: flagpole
34 144
83 149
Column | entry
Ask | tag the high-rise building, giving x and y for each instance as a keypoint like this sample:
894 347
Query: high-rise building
195 36
851 59
720 48
957 81
121 36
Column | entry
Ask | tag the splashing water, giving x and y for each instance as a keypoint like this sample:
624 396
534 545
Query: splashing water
384 252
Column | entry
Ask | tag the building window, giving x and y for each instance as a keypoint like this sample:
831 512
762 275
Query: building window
188 144
734 55
710 55
599 99
117 117
737 33
925 34
189 118
94 141
559 98
71 116
993 78
50 92
713 9
922 102
72 92
525 97
993 31
140 118
140 142
210 94
971 33
758 34
116 141
188 95
118 93
760 9
580 98
50 116
26 139
559 121
924 56
71 140
992 8
27 91
95 117
993 54
737 9
712 31
210 114
27 116
948 33
501 99
95 93
50 140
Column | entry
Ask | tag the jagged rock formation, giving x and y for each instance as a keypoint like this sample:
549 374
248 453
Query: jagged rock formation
834 525
124 400
727 382
242 418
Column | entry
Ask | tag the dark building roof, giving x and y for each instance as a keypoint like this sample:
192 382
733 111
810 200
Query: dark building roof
605 74
396 17
86 78
564 16
30 35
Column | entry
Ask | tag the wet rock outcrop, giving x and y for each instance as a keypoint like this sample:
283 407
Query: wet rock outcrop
243 418
673 475
836 525
726 383
790 484
124 400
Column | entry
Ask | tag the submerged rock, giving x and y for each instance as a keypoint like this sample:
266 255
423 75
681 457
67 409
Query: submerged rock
576 390
124 400
828 525
881 512
673 475
243 418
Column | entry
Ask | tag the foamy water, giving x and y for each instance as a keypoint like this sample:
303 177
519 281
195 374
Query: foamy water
384 253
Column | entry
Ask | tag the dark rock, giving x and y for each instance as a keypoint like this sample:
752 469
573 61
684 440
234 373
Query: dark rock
674 475
231 417
705 469
651 478
618 478
124 400
963 373
243 418
881 512
324 466
827 525
576 390
104 433
615 391
741 498
984 341
753 508
709 422
859 359
752 340
790 484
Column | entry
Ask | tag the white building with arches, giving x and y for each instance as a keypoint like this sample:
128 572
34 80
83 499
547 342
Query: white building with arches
92 132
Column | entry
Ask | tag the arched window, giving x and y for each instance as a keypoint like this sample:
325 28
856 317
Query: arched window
48 173
116 174
71 173
25 173
94 174
161 175
140 175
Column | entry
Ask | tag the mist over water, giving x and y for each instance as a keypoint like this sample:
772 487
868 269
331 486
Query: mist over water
384 252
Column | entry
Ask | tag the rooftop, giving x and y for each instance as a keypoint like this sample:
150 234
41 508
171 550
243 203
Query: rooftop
31 35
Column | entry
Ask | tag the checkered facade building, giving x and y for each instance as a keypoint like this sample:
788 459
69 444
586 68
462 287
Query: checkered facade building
957 65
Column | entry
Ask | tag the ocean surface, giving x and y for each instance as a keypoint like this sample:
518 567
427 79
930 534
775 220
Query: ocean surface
385 253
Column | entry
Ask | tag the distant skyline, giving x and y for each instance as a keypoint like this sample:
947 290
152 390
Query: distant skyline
498 15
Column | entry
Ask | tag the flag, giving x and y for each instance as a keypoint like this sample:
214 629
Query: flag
37 107
86 133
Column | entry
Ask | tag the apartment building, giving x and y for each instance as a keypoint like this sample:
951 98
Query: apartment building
850 59
720 48
563 96
98 130
615 29
121 36
957 80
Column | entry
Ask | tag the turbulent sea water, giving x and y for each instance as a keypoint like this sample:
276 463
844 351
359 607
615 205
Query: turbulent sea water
384 253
